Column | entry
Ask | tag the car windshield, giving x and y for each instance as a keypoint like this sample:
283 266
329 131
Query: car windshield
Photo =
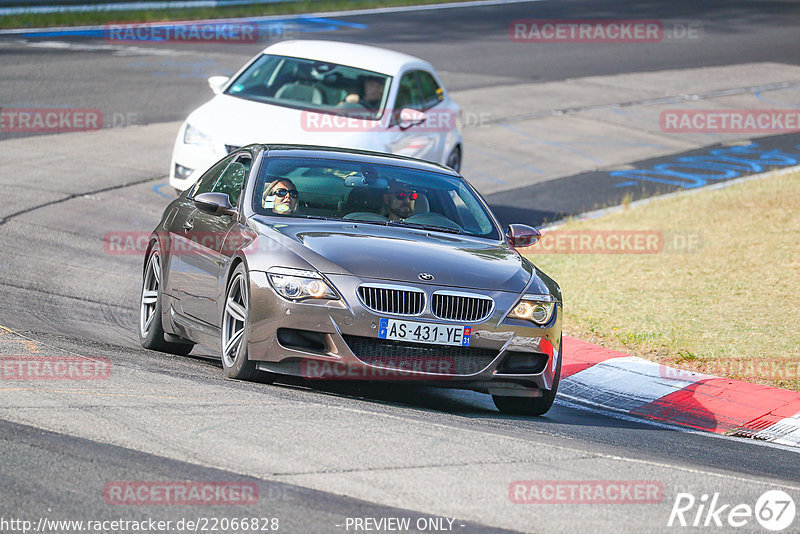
314 85
374 194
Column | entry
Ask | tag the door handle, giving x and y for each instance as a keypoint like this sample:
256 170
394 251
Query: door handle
189 224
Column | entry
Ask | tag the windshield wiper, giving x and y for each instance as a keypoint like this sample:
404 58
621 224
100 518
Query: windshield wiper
322 218
425 227
366 221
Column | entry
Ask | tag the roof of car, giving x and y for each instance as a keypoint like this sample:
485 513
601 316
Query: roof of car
310 151
353 55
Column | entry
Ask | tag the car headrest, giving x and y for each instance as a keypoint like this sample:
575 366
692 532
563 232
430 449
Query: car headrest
363 199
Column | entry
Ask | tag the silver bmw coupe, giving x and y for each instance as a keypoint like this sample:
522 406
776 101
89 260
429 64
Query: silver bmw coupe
335 264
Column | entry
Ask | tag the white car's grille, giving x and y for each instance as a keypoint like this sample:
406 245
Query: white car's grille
461 307
393 300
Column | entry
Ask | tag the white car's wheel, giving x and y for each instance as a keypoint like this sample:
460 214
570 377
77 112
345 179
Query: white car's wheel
454 159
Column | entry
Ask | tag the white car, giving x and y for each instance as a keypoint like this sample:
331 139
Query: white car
323 93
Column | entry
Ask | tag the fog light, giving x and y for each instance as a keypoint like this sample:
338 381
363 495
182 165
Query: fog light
181 172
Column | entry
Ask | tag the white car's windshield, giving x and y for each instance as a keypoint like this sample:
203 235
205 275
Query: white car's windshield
314 85
377 194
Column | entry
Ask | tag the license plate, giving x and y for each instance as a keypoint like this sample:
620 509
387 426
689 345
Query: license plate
437 334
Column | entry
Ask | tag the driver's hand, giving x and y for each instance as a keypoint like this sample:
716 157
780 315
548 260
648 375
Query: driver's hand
352 98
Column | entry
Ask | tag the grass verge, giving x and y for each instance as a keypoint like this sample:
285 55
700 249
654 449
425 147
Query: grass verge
155 15
721 297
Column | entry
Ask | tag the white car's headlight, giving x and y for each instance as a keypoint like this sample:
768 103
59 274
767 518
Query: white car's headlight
299 284
193 136
535 308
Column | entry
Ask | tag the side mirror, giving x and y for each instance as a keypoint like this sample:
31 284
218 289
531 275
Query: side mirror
520 235
411 117
214 203
216 83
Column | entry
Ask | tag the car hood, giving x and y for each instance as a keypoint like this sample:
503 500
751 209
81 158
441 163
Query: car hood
237 122
401 254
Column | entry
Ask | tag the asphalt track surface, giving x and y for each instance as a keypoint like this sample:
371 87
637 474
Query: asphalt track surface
319 453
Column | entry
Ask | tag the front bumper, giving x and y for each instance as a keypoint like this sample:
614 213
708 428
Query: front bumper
347 347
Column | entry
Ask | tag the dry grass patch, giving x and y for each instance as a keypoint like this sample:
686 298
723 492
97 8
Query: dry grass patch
728 305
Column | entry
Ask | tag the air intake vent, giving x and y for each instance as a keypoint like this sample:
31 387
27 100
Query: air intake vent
392 300
436 359
462 307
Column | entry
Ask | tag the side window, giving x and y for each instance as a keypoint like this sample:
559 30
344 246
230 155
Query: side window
206 182
408 94
232 178
432 94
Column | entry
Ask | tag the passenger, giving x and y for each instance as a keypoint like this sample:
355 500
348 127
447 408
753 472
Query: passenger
281 197
399 200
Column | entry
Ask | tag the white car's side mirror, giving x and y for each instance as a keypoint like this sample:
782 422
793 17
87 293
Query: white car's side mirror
216 83
411 117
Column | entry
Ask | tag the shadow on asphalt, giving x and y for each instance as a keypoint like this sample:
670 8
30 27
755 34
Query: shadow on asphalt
464 403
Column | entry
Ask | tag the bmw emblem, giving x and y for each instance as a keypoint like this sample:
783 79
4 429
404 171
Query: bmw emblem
427 277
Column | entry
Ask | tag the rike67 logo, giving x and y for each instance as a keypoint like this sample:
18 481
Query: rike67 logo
774 510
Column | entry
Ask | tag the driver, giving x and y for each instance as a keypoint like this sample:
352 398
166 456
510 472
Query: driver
399 200
281 197
372 94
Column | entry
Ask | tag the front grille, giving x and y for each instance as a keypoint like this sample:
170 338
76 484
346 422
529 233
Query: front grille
394 300
436 359
461 307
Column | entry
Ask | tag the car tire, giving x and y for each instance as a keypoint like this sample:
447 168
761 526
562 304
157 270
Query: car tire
235 326
454 159
151 330
534 406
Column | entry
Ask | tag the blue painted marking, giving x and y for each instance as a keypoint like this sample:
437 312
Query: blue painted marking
689 172
157 189
759 96
266 27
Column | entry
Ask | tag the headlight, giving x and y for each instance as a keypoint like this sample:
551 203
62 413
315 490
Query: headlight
193 136
298 284
535 308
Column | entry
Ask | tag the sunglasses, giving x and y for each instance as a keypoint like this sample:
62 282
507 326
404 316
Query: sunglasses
282 192
402 195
